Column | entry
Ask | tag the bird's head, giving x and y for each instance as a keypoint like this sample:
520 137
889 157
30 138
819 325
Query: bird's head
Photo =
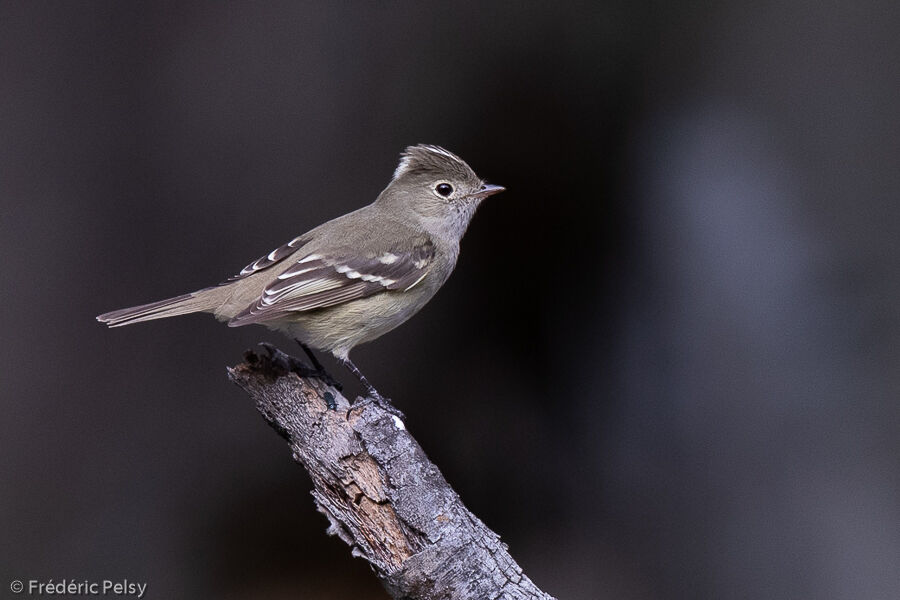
437 186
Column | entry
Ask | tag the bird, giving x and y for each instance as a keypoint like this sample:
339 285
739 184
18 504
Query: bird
353 278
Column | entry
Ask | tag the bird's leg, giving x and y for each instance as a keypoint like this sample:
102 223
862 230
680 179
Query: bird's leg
317 369
295 365
373 395
312 357
370 389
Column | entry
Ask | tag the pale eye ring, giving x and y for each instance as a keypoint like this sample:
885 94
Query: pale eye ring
443 189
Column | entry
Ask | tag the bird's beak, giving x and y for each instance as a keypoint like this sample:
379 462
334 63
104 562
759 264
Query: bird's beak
487 190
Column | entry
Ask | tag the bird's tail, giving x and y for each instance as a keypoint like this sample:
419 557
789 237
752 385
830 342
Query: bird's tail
199 301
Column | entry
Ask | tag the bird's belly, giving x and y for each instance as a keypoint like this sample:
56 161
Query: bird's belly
339 328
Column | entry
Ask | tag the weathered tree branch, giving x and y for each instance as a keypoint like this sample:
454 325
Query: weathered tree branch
381 494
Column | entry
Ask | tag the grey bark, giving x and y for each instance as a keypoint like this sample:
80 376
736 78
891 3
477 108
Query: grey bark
381 494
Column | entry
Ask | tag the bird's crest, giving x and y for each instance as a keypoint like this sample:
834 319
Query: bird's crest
425 157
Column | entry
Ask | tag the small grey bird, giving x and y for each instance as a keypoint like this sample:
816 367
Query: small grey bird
356 277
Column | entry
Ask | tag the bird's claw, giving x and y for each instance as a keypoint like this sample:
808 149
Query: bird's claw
293 364
380 401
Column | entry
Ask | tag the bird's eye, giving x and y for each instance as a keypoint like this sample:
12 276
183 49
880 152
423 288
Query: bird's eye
444 189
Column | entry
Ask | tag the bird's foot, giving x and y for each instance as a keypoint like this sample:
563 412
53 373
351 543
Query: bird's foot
295 365
380 401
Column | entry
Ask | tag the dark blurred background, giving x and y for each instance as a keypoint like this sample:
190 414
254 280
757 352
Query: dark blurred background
665 368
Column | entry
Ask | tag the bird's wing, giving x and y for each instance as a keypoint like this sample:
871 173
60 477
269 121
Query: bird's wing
318 280
267 260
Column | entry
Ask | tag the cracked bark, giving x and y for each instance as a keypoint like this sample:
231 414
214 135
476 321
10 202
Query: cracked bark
381 494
